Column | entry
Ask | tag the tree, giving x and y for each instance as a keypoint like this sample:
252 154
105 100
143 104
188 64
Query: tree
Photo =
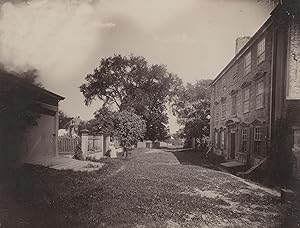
102 123
125 126
128 129
192 109
63 119
131 83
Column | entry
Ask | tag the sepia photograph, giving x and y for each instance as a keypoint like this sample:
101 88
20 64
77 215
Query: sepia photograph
150 113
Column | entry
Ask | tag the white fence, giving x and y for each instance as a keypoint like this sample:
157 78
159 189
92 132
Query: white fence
67 145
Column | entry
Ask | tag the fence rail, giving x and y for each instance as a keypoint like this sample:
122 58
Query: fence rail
68 145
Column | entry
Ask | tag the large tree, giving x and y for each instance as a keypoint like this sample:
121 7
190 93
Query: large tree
192 110
132 83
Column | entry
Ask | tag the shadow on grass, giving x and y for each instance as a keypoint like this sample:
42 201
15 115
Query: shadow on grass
193 157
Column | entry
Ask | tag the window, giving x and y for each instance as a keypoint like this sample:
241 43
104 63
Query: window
224 84
248 63
216 139
234 73
217 114
218 89
222 139
259 98
258 140
244 140
233 105
261 51
223 110
246 100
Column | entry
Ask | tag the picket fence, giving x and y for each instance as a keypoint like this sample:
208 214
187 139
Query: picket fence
67 145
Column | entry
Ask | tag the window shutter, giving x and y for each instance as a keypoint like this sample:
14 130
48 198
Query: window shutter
250 140
219 139
225 138
264 140
241 139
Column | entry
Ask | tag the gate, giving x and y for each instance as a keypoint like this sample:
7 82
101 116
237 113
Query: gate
67 145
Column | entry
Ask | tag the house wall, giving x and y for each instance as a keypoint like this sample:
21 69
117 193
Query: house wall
40 141
234 84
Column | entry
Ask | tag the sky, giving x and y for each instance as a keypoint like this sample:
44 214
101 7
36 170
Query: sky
65 40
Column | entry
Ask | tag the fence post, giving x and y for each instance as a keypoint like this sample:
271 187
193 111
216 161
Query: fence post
101 144
84 142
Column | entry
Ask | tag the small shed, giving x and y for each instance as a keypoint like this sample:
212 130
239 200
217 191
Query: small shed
34 142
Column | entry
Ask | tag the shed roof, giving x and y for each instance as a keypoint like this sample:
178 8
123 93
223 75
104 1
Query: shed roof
12 77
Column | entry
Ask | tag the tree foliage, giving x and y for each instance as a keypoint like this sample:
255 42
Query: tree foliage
131 83
63 119
192 110
126 126
18 107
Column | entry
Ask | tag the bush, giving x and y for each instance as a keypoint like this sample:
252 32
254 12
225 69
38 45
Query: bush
215 159
78 154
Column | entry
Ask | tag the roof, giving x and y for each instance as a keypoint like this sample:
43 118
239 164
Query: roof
260 31
18 80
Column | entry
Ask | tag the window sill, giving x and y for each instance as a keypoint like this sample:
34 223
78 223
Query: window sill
259 108
245 74
257 63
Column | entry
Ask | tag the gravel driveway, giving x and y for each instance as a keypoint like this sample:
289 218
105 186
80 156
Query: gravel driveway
152 188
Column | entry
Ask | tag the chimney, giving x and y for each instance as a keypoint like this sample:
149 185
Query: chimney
240 43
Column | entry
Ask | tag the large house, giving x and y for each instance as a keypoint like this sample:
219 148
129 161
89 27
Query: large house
35 142
259 86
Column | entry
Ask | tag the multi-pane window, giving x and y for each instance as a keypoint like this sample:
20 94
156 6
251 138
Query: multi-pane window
261 51
217 114
218 89
258 140
222 139
234 73
216 139
244 139
246 100
223 110
248 62
259 98
233 105
224 84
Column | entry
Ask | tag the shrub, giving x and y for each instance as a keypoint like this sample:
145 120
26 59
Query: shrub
78 154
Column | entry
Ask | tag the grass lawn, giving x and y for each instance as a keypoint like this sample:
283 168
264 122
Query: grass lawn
152 188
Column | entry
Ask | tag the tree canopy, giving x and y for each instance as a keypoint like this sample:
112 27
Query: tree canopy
125 125
130 82
192 109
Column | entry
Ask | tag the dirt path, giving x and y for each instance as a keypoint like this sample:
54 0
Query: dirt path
152 188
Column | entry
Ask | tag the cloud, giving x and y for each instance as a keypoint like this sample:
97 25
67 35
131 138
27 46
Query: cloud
181 38
52 36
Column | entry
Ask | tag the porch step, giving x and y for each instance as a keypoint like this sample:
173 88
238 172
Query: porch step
234 166
253 168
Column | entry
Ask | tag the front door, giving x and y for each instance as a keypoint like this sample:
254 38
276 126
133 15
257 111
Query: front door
232 144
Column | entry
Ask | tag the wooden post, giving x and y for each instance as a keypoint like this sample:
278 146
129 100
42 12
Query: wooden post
84 142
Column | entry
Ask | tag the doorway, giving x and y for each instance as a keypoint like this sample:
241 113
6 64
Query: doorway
232 145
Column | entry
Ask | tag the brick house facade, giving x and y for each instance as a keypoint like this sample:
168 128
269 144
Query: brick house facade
258 86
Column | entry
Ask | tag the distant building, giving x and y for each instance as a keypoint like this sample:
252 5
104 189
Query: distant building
260 85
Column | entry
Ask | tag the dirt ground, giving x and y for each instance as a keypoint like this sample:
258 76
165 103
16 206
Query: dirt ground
151 188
